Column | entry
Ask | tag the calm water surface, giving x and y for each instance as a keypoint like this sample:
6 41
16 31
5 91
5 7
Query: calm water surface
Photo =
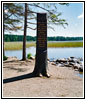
52 52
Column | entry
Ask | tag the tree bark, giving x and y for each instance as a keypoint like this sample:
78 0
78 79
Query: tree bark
41 64
41 46
3 31
3 41
25 30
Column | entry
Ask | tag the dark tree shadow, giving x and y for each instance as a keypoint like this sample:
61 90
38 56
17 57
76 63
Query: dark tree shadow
17 78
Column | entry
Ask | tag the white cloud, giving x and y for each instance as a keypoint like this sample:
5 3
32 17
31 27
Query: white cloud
81 16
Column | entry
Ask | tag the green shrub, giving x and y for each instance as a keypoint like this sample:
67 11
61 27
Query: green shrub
29 55
5 58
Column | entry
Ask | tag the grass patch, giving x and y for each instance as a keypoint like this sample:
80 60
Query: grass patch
19 45
65 44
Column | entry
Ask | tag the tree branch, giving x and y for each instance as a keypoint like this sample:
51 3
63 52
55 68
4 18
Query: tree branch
31 18
41 8
8 16
32 28
29 11
18 17
31 23
51 28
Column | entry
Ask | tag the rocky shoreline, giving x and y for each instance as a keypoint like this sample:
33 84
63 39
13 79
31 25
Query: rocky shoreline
73 62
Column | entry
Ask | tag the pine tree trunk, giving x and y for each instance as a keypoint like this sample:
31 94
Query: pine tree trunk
3 43
3 32
41 63
25 30
41 46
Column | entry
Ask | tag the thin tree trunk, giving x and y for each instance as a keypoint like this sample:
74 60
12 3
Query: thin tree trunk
3 42
25 30
3 31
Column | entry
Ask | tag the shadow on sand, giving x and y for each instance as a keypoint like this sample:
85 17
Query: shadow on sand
17 78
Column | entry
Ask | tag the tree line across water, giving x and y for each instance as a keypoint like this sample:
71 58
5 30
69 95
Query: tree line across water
9 38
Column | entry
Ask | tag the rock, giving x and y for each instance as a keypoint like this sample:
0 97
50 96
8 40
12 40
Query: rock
79 62
70 60
76 66
76 69
60 65
53 63
81 59
68 65
82 63
74 60
33 58
72 57
57 61
48 62
80 69
71 63
61 60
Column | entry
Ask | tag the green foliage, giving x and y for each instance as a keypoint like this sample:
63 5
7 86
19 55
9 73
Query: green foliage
29 55
12 16
52 13
14 38
61 38
5 58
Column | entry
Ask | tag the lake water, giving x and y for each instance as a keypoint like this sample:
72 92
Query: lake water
53 53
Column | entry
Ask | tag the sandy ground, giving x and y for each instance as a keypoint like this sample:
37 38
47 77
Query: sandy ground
63 81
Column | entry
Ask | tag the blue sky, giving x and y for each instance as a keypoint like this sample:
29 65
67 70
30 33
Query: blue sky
74 16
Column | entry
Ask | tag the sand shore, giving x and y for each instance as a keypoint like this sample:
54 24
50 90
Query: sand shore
63 81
